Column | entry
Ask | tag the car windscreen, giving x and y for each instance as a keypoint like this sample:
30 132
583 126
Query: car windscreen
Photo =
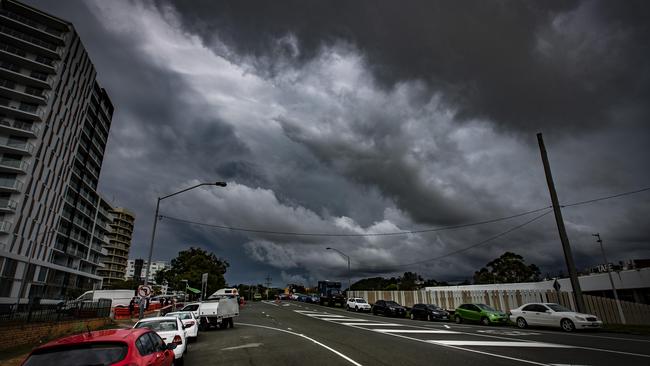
392 303
485 307
159 325
434 307
79 355
182 316
360 301
559 308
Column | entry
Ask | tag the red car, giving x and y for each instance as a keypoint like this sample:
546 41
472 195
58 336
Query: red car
119 347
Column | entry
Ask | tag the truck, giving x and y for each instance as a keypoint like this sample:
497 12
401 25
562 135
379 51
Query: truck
117 297
216 311
330 293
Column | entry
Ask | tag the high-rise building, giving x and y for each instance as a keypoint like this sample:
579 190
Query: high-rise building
118 247
54 123
135 269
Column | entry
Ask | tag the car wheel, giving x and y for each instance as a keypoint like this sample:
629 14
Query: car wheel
374 312
485 321
179 362
412 316
521 323
567 325
356 308
429 317
458 319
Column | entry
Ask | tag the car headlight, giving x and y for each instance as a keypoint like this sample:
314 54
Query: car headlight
580 318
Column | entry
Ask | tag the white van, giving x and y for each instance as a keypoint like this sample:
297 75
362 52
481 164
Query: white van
228 292
117 297
218 312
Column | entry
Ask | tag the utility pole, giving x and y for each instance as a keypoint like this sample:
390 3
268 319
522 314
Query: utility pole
268 283
611 280
566 246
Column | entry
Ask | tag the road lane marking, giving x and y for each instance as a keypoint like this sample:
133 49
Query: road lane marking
446 326
372 324
498 344
419 331
345 319
308 338
326 315
248 345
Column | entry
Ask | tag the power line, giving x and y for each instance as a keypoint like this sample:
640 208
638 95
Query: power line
290 233
482 242
406 232
607 197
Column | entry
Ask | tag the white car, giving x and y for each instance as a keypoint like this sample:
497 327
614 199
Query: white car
357 304
194 308
190 322
170 329
552 315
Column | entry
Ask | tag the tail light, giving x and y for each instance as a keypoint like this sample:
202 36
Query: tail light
508 313
177 340
189 324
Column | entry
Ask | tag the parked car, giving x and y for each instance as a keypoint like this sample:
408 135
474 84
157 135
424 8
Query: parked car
429 312
313 299
553 315
357 304
388 308
194 308
118 347
170 329
480 313
190 323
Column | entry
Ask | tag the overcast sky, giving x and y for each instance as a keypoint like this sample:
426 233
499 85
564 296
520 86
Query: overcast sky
366 117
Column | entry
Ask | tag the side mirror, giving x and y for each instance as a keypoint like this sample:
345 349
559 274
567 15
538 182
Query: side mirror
171 346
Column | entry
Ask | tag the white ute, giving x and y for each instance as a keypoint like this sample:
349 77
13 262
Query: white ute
218 311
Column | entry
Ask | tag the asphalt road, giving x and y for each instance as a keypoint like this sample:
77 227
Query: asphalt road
292 333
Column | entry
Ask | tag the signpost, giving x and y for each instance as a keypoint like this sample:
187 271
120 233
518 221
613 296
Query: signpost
144 291
204 285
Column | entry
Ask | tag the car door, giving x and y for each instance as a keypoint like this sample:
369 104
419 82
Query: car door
473 312
415 311
147 351
546 316
530 313
163 356
379 306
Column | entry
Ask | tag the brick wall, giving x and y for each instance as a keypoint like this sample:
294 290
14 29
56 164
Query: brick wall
38 333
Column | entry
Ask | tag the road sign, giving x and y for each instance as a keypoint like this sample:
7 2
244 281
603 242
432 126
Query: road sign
145 291
204 277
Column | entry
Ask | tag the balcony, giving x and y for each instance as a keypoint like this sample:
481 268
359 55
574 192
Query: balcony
29 43
5 227
22 96
7 205
10 185
19 57
13 166
20 110
35 28
19 128
36 79
15 146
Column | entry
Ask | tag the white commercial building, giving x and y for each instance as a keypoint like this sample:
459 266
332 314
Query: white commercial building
133 267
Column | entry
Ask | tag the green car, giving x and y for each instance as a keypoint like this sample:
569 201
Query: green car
480 313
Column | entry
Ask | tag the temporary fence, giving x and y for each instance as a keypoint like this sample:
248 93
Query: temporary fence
34 311
504 300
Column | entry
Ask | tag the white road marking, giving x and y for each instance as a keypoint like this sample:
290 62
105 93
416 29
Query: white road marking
289 329
420 331
308 338
498 344
270 303
325 315
446 326
507 332
372 324
248 345
345 319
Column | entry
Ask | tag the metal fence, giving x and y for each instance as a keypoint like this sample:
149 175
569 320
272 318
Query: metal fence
34 311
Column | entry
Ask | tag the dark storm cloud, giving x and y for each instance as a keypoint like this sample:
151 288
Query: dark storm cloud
524 65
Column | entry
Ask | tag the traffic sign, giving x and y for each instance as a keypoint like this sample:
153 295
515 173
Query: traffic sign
556 285
145 291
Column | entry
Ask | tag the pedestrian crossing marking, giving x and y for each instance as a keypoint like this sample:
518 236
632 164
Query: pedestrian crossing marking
499 344
416 331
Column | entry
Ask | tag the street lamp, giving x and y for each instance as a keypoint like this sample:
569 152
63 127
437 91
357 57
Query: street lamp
611 280
155 221
348 258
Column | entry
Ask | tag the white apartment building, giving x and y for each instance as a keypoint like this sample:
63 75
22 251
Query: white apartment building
54 123
132 267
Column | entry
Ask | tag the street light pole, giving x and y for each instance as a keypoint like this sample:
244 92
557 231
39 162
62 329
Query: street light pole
155 221
349 273
611 280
